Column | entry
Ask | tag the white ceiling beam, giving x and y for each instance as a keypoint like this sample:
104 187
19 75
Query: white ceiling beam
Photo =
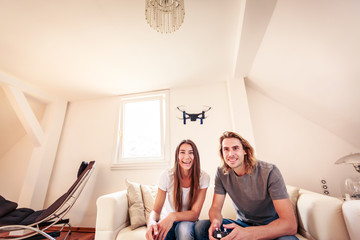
25 114
37 178
8 80
254 19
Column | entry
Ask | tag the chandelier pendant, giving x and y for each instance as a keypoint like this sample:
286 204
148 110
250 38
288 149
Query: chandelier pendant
165 16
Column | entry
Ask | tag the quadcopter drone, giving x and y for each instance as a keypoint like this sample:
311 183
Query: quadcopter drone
193 116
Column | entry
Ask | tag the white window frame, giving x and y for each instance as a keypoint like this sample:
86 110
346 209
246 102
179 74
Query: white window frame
144 162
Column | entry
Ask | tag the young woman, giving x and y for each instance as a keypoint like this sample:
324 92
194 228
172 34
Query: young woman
182 189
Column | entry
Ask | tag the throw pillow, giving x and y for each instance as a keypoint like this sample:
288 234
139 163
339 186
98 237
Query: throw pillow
149 195
136 206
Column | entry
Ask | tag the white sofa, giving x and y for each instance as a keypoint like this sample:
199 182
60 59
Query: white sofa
319 216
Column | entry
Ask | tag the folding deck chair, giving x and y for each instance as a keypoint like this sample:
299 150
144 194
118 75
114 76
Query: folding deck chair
36 224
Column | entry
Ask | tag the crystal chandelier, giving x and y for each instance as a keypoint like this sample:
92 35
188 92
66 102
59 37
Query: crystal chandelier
165 16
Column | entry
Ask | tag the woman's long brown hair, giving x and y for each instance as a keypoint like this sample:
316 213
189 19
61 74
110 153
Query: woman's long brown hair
195 177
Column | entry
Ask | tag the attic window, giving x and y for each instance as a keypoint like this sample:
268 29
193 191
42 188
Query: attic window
142 140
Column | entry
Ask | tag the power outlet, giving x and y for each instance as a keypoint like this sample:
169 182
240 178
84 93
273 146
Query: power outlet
324 187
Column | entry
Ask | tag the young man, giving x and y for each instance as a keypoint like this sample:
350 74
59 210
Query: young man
258 192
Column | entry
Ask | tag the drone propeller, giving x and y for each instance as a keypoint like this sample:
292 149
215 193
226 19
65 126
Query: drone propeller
207 108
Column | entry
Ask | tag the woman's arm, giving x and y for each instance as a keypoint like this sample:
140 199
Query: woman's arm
158 205
154 216
164 225
192 214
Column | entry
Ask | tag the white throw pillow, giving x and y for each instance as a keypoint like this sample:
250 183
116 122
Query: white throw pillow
136 206
149 194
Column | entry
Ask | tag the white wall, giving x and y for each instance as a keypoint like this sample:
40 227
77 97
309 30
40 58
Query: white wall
239 109
14 164
89 134
205 136
304 152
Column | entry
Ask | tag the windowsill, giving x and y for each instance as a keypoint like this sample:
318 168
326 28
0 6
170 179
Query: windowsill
139 165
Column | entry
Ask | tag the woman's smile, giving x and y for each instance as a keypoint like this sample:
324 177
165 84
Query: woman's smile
186 156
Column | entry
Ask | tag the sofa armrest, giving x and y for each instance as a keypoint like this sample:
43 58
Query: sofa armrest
320 217
351 211
112 215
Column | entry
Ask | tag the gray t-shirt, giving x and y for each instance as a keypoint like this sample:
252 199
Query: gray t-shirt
252 194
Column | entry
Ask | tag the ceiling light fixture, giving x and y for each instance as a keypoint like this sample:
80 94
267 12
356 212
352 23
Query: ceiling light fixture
353 159
351 184
165 16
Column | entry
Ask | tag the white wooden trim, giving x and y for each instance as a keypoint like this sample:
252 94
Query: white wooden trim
239 109
140 165
25 114
45 135
34 190
118 161
7 80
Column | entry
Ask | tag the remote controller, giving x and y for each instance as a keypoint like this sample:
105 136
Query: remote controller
218 234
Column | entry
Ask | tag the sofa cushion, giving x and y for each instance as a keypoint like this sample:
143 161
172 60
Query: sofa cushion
6 206
320 217
32 218
136 206
16 216
148 195
128 233
351 211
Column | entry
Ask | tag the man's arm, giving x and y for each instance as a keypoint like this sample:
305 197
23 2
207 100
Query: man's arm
283 226
286 223
215 213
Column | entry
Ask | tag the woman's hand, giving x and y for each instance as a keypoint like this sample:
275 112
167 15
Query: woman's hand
164 226
152 232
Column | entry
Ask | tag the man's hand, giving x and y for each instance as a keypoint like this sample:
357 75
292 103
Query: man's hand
238 232
214 224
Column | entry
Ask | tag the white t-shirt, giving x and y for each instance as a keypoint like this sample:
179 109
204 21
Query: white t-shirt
166 184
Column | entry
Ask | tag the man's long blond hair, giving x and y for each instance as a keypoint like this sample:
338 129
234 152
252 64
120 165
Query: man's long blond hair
249 159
